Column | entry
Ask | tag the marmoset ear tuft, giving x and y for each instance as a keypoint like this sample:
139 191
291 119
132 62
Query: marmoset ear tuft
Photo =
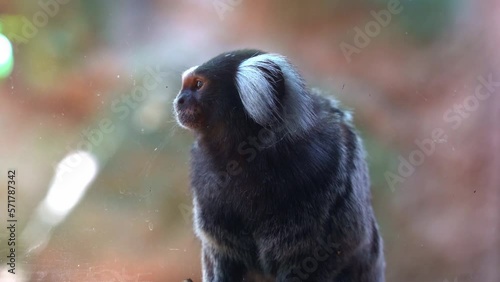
260 80
254 79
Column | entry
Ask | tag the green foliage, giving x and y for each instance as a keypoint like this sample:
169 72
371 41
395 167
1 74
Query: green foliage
426 20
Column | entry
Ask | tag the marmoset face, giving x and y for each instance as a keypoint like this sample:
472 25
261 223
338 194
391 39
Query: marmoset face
238 93
209 97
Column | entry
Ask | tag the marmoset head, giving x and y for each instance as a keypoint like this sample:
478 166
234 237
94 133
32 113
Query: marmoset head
242 91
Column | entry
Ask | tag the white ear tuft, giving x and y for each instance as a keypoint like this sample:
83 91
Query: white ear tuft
253 80
255 89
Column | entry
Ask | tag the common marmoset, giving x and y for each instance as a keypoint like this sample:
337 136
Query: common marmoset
278 175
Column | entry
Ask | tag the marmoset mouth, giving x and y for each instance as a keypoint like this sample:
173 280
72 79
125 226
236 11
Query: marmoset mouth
188 117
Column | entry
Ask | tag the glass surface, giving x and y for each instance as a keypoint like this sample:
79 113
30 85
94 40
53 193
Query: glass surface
100 168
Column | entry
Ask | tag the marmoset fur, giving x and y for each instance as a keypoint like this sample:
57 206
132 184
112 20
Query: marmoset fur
278 175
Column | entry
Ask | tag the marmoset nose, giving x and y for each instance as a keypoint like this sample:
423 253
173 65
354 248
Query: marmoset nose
183 99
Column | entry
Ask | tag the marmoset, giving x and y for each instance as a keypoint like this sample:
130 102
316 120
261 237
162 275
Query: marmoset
279 179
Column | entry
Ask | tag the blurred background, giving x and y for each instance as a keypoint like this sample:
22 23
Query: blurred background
95 76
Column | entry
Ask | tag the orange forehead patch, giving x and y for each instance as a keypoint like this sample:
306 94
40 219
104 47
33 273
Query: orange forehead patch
188 77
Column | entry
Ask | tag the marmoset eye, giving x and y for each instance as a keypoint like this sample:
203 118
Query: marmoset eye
198 84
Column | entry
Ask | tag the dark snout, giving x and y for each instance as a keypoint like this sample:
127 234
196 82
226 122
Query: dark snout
184 100
187 109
